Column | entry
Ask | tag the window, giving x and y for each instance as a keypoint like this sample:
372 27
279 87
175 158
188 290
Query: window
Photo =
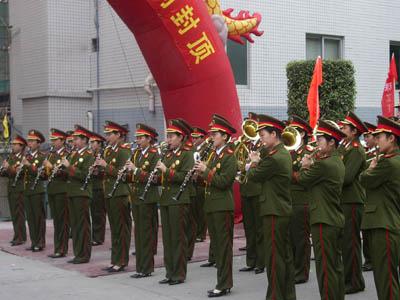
328 47
395 49
238 57
95 45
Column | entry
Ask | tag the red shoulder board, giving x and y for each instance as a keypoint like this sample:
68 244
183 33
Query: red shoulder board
153 150
187 147
309 148
189 144
273 152
356 144
125 146
229 150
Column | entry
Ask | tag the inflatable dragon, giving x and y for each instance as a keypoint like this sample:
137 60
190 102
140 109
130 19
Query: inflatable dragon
243 25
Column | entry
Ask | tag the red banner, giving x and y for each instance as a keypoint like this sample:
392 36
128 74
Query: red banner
313 94
389 90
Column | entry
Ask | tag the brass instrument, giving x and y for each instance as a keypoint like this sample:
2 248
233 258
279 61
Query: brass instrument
291 138
249 128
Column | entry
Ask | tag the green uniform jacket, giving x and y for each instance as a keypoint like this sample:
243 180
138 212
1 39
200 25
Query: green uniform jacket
274 172
219 178
300 194
116 158
250 188
325 179
36 161
354 161
145 163
382 209
14 161
97 179
80 162
58 185
178 163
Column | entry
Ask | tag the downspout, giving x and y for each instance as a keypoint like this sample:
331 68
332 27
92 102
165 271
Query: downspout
97 24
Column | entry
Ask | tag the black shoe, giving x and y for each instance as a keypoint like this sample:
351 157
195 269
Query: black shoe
37 249
78 262
134 253
175 282
116 269
71 261
164 281
217 293
367 267
246 269
300 281
242 248
189 259
140 275
353 291
17 243
96 244
56 255
207 265
107 268
259 270
199 240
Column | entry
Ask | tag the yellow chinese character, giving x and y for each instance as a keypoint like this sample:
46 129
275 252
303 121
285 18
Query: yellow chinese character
201 49
166 3
184 19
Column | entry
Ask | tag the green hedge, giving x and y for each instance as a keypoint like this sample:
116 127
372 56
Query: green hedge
337 93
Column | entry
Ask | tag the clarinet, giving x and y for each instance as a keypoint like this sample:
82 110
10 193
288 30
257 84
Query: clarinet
19 173
41 170
164 149
91 170
189 175
121 174
55 171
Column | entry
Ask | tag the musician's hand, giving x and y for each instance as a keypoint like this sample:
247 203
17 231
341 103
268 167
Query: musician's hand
200 166
65 162
160 166
130 166
100 162
255 157
47 164
306 162
5 164
373 164
25 162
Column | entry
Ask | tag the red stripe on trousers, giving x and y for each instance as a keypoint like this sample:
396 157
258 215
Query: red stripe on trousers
353 240
389 264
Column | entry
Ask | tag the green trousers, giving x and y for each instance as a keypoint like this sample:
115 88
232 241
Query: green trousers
36 217
253 229
384 248
365 247
191 228
59 209
174 223
220 226
351 249
98 213
278 258
299 229
146 231
327 242
79 208
17 211
120 220
199 214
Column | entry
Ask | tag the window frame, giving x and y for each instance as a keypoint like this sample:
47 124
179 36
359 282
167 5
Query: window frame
247 84
395 44
324 37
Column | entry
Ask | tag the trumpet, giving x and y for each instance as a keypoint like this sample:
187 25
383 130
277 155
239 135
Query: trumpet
121 174
198 156
40 171
162 150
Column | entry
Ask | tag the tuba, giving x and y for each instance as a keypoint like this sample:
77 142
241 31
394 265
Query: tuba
291 138
249 128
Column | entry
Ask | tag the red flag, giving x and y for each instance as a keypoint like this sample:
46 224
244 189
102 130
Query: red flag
388 92
313 95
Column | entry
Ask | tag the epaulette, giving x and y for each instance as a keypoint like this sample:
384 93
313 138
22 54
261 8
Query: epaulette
125 146
189 144
187 147
355 144
272 152
390 155
229 150
153 150
309 148
88 151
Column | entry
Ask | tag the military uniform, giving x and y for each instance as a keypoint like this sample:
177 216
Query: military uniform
352 201
381 218
118 205
145 212
35 199
274 172
15 195
58 198
219 206
79 200
325 180
98 202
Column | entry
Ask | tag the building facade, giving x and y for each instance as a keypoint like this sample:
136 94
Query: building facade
74 61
